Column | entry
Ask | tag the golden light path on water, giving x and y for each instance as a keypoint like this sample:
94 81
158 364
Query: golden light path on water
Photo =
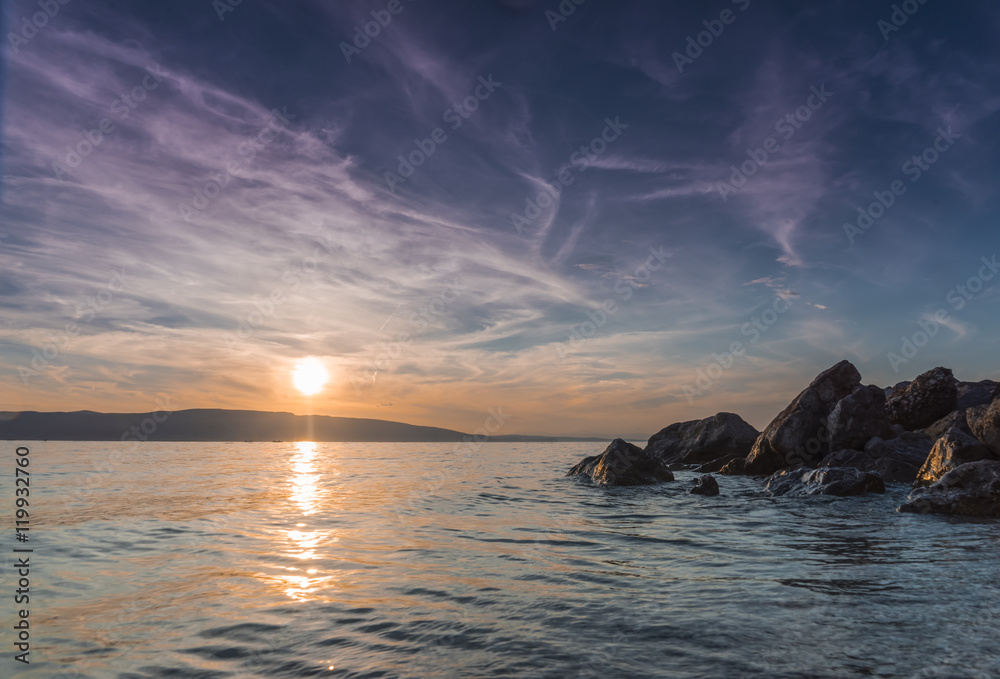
304 581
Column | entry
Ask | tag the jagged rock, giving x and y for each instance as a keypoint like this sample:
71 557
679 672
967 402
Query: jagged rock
985 424
925 400
706 485
951 451
859 417
972 394
701 441
798 434
972 489
622 464
825 481
955 420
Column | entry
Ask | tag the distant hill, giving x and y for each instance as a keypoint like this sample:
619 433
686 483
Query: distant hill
224 425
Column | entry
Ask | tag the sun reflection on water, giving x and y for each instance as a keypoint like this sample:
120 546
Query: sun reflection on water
307 496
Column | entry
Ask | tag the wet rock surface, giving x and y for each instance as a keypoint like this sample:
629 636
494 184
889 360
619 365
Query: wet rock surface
622 464
972 489
839 481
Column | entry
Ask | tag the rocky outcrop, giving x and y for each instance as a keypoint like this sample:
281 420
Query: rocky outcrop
724 435
925 400
896 461
859 417
951 451
622 464
985 424
705 485
972 489
839 481
799 433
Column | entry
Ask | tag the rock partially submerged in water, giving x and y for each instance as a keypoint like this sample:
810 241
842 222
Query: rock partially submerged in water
897 460
622 464
797 433
840 481
973 489
925 400
951 451
705 485
721 436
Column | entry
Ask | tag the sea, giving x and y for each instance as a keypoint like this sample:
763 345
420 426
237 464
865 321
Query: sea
351 560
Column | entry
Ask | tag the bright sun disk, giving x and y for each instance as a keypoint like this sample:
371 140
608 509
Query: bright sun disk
310 376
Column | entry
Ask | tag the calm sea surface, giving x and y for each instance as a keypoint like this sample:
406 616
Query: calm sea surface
420 560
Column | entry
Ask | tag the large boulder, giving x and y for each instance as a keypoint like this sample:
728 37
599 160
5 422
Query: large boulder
700 441
951 451
705 485
622 464
972 394
799 433
826 481
985 424
953 420
925 400
972 489
859 417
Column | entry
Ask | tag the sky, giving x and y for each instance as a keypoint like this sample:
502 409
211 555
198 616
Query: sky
595 218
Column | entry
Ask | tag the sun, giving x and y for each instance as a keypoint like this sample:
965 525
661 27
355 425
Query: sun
310 376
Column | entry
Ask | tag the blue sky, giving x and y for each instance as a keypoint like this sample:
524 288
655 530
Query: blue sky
685 177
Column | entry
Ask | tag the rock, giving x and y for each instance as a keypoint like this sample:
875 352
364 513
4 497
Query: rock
925 400
735 467
717 464
797 434
839 481
972 489
622 464
706 485
950 451
859 417
985 424
954 420
972 394
701 441
898 460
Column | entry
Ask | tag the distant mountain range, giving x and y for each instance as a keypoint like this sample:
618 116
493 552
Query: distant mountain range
226 425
